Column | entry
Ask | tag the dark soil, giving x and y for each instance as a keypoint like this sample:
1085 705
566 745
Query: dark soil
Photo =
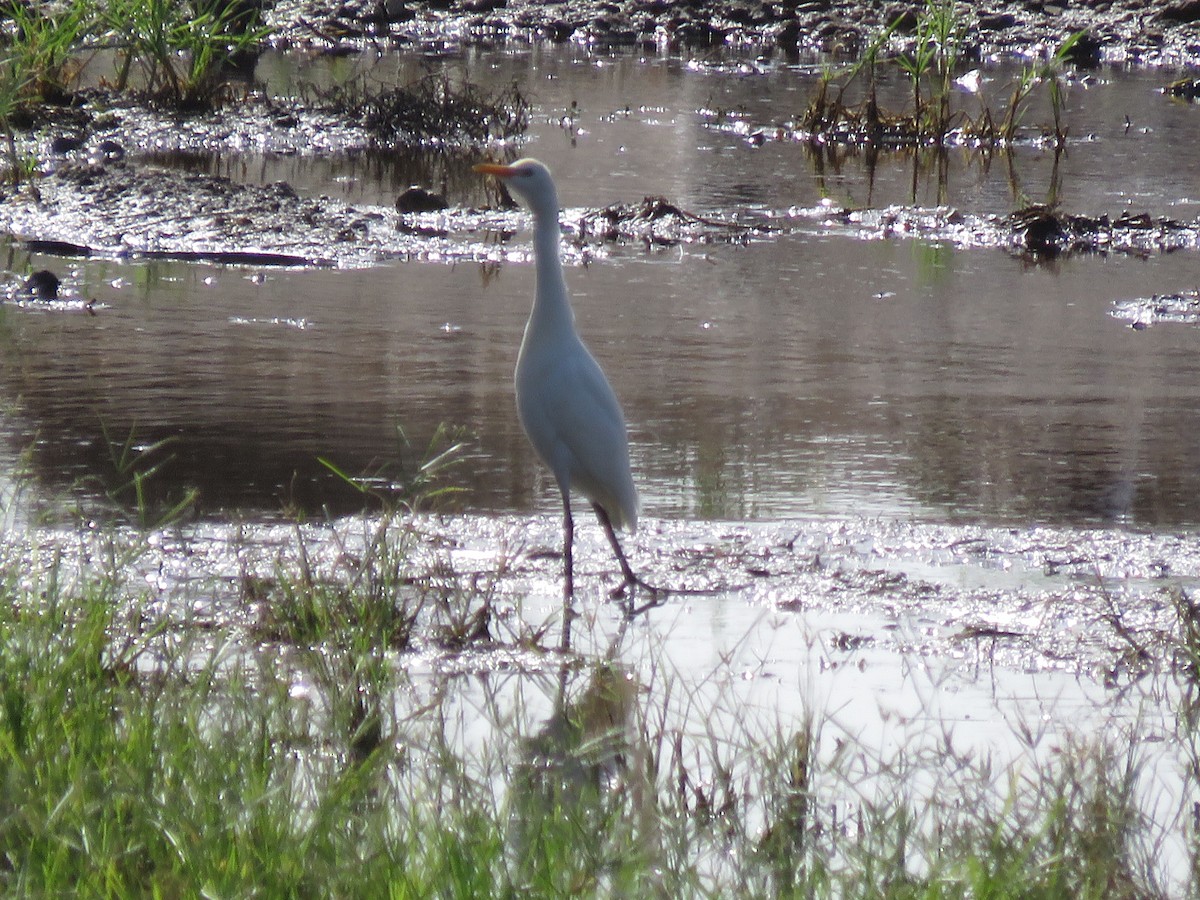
99 200
1118 31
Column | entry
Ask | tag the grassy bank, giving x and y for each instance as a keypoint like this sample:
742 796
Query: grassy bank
287 746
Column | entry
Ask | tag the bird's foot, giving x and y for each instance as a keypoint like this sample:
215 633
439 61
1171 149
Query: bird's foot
626 589
655 600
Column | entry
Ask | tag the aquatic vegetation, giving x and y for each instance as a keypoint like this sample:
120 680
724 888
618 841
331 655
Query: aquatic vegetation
403 482
44 45
432 109
38 65
133 466
933 65
154 749
184 54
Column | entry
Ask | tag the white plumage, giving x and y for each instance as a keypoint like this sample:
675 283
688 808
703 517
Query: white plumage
566 405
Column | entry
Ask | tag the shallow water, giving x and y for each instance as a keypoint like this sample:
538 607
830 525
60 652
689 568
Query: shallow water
807 373
901 414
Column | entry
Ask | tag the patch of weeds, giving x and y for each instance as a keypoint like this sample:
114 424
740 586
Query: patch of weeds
183 52
401 483
786 843
1187 652
932 63
134 466
1072 833
1049 74
137 767
359 600
44 46
126 784
932 67
432 110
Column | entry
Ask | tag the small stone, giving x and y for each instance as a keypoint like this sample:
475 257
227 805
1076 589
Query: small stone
63 144
42 285
418 199
1184 12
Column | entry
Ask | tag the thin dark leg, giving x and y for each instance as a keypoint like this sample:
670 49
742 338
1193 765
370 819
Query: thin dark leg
568 570
631 579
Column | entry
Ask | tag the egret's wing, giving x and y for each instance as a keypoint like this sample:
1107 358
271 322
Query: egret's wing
584 429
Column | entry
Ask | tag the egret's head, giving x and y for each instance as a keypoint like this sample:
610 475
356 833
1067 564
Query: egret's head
530 180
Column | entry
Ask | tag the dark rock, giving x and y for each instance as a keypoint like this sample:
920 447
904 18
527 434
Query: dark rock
996 21
395 11
1085 52
1185 12
111 150
42 285
1039 230
788 35
418 200
63 144
904 17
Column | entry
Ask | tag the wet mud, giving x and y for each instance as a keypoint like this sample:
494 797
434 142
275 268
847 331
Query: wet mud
1118 31
121 210
127 211
1098 604
124 159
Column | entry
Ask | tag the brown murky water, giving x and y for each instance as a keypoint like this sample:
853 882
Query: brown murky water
809 373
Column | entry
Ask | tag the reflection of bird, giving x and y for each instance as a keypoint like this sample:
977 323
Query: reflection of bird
566 405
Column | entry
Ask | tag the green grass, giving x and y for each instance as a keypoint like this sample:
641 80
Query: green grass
183 50
283 749
934 58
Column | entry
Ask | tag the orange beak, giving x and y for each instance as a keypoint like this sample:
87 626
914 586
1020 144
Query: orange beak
494 169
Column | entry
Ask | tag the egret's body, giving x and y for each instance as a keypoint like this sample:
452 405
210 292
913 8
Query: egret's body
566 405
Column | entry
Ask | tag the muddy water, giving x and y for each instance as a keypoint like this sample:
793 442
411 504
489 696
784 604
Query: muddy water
955 398
812 372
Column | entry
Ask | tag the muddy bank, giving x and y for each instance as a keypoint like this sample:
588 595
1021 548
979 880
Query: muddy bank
1118 31
1099 605
124 210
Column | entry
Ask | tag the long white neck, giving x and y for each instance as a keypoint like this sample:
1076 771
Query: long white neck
551 308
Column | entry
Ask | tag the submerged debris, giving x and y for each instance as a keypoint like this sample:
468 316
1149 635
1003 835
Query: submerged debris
658 221
1036 230
126 210
1041 230
431 111
1187 88
1182 308
123 210
42 285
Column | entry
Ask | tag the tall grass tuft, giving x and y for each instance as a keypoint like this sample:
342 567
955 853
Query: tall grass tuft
184 51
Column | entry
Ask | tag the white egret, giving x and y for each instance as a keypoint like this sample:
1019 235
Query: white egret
566 405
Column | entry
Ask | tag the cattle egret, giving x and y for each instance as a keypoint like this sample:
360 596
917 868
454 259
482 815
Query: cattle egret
566 405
